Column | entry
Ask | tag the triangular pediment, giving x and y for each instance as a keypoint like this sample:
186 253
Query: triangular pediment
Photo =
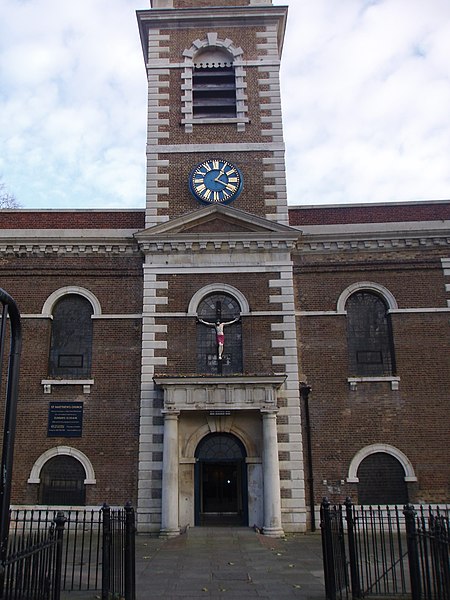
218 221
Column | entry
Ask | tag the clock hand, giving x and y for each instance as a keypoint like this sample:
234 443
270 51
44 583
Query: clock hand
219 176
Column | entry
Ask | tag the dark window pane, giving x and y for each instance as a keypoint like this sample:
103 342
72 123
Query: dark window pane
381 480
62 482
369 336
71 343
226 308
220 446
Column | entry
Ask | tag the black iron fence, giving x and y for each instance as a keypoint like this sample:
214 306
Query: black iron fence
33 564
96 551
385 552
118 576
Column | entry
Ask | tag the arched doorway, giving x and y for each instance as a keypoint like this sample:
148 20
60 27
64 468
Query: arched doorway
221 481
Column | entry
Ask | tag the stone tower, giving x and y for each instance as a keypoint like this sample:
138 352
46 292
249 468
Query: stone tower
220 436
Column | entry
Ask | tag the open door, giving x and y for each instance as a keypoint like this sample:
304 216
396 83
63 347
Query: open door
221 482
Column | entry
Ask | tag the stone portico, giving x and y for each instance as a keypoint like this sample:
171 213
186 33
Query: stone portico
242 406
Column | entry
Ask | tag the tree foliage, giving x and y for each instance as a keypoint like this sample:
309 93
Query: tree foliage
7 200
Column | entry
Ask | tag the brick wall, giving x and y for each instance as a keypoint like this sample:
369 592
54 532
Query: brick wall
411 418
111 409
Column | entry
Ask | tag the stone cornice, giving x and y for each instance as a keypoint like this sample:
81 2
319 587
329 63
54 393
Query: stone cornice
242 242
379 240
46 242
204 17
220 393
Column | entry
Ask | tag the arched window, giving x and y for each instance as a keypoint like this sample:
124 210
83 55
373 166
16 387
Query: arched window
381 480
213 85
223 308
62 482
369 333
71 341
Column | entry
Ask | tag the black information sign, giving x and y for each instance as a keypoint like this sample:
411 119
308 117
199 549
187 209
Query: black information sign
65 419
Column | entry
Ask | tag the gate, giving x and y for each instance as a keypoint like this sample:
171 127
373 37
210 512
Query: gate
32 568
385 552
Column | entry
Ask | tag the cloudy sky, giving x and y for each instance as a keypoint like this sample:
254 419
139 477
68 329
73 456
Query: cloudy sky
366 101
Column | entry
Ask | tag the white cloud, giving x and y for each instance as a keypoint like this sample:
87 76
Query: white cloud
366 90
365 96
72 118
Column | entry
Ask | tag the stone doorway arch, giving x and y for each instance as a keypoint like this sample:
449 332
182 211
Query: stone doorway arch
221 489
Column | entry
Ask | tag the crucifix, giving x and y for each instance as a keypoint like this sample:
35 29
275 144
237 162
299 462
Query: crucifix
219 327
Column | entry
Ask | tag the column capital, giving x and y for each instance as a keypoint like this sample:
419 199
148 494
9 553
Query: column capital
169 413
267 412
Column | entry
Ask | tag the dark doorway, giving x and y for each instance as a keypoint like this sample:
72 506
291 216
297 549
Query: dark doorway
221 482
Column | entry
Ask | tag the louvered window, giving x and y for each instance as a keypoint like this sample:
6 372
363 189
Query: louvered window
214 91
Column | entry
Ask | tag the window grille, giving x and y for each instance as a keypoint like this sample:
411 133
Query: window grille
369 332
71 343
220 447
381 480
62 482
225 308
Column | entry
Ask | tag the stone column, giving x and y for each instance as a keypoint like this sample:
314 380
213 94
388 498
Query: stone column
271 476
169 512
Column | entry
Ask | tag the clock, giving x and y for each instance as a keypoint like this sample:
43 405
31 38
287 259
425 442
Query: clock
215 181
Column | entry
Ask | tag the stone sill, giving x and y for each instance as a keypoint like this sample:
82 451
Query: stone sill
353 381
86 383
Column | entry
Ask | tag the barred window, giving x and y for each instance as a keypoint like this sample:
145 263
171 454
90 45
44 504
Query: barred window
369 333
224 308
62 482
71 341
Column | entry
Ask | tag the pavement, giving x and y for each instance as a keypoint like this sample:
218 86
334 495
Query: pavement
227 563
231 563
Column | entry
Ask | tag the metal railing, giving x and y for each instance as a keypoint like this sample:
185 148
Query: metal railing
118 557
97 548
32 568
385 551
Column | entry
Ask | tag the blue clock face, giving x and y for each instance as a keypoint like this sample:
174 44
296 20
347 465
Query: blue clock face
215 181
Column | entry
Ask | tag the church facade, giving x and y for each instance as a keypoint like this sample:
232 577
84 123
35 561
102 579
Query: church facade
222 357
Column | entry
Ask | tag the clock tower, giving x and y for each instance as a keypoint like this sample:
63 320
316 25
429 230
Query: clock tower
220 433
214 93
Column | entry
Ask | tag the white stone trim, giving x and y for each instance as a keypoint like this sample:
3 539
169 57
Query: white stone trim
217 288
47 309
363 286
212 40
371 239
353 381
222 425
214 147
35 475
387 449
48 383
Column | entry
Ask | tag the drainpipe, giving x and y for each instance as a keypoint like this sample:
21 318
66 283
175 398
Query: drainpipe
305 390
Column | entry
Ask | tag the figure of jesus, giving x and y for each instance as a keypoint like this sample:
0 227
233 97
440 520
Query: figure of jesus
220 335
